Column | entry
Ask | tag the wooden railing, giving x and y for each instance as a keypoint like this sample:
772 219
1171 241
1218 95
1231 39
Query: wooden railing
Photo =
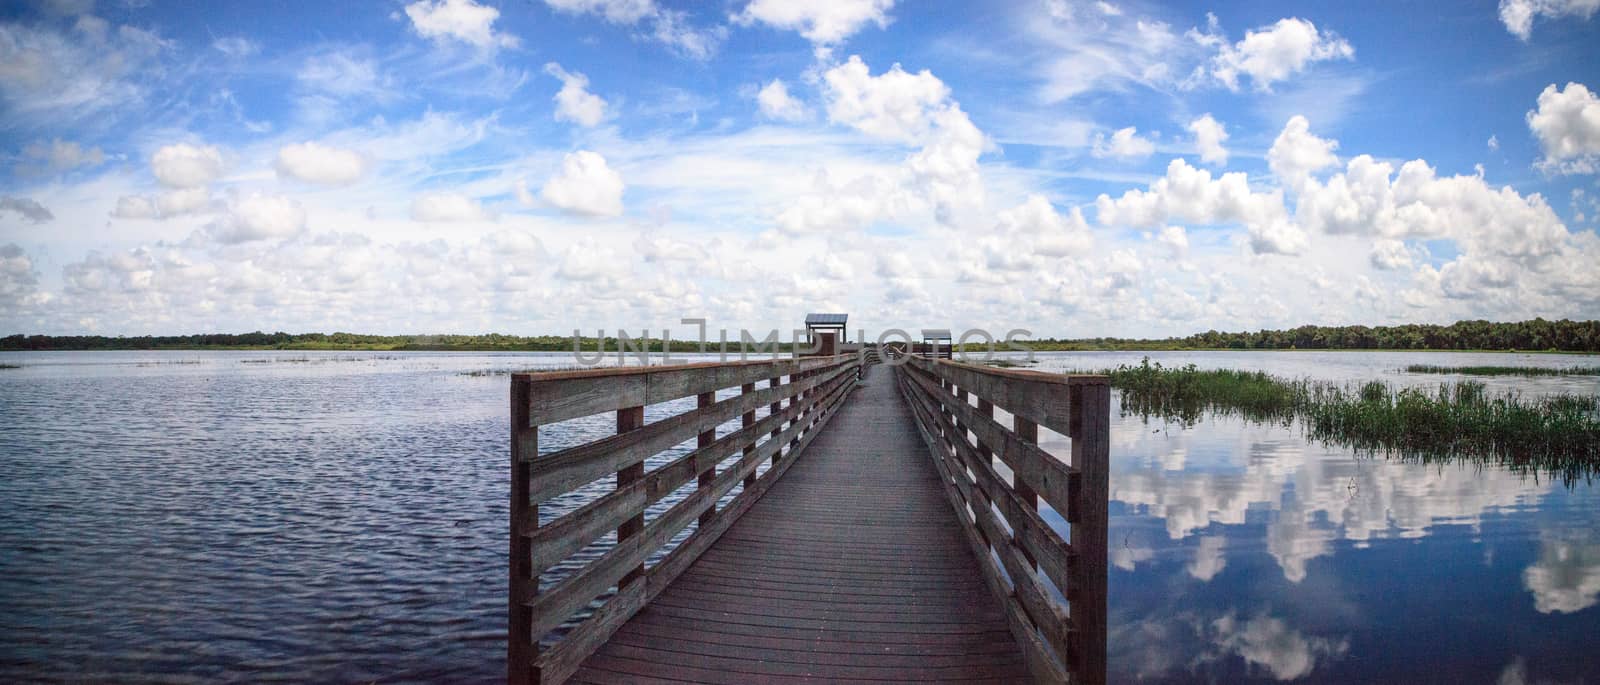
800 394
1000 515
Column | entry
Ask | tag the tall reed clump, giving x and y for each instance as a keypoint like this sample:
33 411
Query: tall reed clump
1186 393
1505 370
1559 433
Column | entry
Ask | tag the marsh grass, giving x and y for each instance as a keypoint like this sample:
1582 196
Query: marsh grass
481 373
1559 434
1505 370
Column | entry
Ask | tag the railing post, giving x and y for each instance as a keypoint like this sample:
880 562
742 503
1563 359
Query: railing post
777 428
1027 431
944 385
521 647
704 439
985 408
747 420
1090 426
800 415
961 428
630 419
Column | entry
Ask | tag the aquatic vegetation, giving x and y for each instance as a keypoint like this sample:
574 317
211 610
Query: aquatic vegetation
1505 370
1187 393
9 366
1559 434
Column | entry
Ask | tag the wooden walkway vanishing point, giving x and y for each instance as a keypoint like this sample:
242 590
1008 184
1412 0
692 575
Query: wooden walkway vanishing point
894 536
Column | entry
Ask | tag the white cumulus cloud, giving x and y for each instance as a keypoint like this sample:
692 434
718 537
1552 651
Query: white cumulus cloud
1209 135
1192 195
1125 143
315 163
446 207
896 105
1390 254
1176 240
823 22
1297 153
1036 226
1567 124
776 103
586 185
260 217
182 201
574 102
1518 15
187 166
462 20
1272 53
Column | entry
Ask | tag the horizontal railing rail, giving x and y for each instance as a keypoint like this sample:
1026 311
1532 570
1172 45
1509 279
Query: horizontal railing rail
954 405
800 395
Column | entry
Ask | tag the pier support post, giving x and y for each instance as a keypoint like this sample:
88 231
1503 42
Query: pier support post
747 420
704 439
630 419
777 407
1090 429
1029 432
523 647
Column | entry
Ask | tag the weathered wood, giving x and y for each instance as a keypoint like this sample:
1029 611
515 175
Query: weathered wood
1041 472
558 539
679 559
618 566
555 541
1091 456
1041 664
816 391
562 395
1028 530
746 420
563 659
788 549
630 419
702 441
735 615
521 647
985 410
1033 395
775 408
963 442
1028 433
560 472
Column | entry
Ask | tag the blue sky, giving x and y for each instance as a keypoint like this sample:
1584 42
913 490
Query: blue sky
1075 168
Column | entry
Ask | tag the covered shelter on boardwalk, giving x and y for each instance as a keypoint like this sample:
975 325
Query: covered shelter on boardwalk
825 332
931 343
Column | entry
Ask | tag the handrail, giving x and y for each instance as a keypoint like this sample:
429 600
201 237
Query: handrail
801 395
1060 641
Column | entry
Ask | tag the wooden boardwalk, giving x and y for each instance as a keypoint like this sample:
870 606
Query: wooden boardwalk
898 532
852 567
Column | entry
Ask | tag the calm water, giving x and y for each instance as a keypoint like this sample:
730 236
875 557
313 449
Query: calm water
196 516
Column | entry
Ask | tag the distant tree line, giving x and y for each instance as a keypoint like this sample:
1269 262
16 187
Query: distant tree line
341 341
1534 335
